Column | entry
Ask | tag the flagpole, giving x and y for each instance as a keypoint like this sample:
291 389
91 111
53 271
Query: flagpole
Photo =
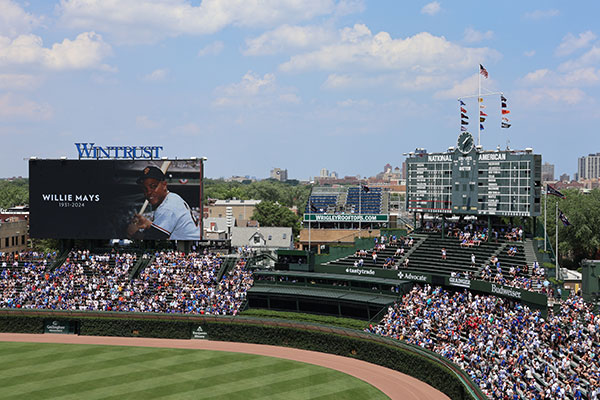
545 212
309 220
556 251
478 108
359 210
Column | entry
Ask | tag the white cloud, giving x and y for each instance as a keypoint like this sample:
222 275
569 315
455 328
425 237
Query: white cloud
571 43
19 81
467 86
288 37
545 96
582 77
85 52
529 53
589 58
14 20
420 54
474 36
431 8
354 103
189 129
211 49
16 107
537 76
541 14
346 7
255 91
144 21
144 122
156 75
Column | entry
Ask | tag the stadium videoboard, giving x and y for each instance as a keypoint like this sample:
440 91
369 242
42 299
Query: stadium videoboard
115 199
475 182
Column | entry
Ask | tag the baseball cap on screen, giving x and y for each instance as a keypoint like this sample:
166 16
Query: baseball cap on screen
151 172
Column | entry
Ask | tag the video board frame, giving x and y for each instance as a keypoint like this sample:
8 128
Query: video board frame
116 199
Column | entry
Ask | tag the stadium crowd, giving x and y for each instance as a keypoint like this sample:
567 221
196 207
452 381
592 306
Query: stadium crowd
173 283
508 349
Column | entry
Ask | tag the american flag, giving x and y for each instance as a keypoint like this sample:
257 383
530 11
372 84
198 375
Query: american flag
483 71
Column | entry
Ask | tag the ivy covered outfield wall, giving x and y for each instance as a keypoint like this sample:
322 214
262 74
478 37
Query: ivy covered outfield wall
421 364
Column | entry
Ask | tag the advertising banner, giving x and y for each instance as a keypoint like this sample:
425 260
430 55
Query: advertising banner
526 296
115 199
59 326
345 217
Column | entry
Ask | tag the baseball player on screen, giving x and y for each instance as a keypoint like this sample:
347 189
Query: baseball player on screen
173 217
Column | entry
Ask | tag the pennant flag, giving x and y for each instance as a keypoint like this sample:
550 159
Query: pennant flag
481 126
554 192
313 208
563 218
481 106
505 112
183 181
365 188
462 103
462 110
502 97
503 105
483 71
482 114
505 125
464 122
463 129
481 119
504 119
481 100
464 116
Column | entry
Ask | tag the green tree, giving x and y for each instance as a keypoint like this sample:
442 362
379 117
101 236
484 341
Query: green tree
268 213
581 239
14 193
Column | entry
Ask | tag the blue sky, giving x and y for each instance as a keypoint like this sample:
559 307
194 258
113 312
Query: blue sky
346 85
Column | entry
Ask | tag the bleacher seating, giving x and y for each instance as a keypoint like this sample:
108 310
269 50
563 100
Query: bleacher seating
321 204
363 202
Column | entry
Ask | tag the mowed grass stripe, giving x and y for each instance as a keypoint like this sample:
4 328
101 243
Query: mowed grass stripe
179 385
66 368
50 354
361 392
326 384
278 386
144 370
55 365
115 372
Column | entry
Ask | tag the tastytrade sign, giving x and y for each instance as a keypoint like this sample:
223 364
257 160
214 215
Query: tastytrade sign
90 150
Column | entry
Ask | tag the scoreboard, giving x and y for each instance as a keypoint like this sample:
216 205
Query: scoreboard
469 180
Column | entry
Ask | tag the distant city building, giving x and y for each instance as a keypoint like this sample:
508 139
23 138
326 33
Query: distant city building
333 175
565 178
279 174
403 170
240 179
588 167
242 211
324 173
547 172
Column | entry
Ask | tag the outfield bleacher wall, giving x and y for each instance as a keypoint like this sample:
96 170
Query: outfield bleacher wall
532 299
421 364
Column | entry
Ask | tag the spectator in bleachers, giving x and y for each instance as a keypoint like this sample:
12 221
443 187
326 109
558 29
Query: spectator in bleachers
506 348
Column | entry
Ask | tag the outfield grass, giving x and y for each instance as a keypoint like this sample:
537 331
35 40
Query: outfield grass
68 371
